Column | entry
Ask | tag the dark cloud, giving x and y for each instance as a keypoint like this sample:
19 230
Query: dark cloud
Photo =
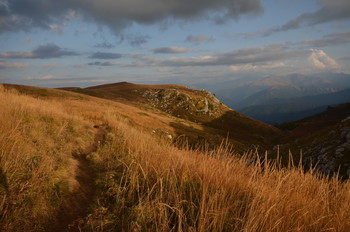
98 63
137 40
23 14
170 50
105 45
198 39
105 55
329 40
51 51
41 52
330 10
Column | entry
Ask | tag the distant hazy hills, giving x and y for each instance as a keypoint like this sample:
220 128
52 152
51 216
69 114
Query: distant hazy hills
277 99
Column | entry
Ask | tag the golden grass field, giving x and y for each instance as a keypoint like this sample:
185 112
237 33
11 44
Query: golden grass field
142 181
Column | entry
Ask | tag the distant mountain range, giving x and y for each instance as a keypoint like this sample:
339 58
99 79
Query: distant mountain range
277 99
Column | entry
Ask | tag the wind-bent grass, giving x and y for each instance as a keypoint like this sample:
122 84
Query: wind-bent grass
148 186
144 183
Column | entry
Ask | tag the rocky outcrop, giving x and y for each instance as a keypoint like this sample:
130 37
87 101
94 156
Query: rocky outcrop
190 105
331 152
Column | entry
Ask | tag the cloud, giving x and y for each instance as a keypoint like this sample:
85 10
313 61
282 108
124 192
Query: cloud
104 45
107 63
275 58
137 40
320 60
248 56
170 50
119 64
62 80
12 65
49 66
26 14
329 40
250 67
51 51
105 55
329 11
253 55
46 77
77 81
41 52
57 28
261 32
198 39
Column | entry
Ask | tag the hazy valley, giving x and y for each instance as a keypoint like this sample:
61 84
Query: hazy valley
278 99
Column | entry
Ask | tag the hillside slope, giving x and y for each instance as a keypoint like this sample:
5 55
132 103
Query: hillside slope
198 106
323 139
141 181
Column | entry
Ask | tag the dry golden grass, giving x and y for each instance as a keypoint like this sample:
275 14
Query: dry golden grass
37 139
152 186
143 182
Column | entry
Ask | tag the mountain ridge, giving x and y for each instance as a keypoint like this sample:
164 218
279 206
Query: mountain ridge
198 106
284 110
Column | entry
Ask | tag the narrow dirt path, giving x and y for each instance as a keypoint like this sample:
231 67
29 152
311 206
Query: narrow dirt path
76 204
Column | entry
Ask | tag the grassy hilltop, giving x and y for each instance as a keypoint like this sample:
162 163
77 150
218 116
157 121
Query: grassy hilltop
70 161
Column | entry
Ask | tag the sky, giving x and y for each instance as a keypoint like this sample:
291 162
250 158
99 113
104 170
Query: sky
83 43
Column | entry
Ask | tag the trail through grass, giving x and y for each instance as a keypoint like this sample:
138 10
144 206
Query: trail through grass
142 181
75 205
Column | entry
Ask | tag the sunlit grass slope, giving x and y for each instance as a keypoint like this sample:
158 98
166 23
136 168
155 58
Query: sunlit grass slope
143 182
37 139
